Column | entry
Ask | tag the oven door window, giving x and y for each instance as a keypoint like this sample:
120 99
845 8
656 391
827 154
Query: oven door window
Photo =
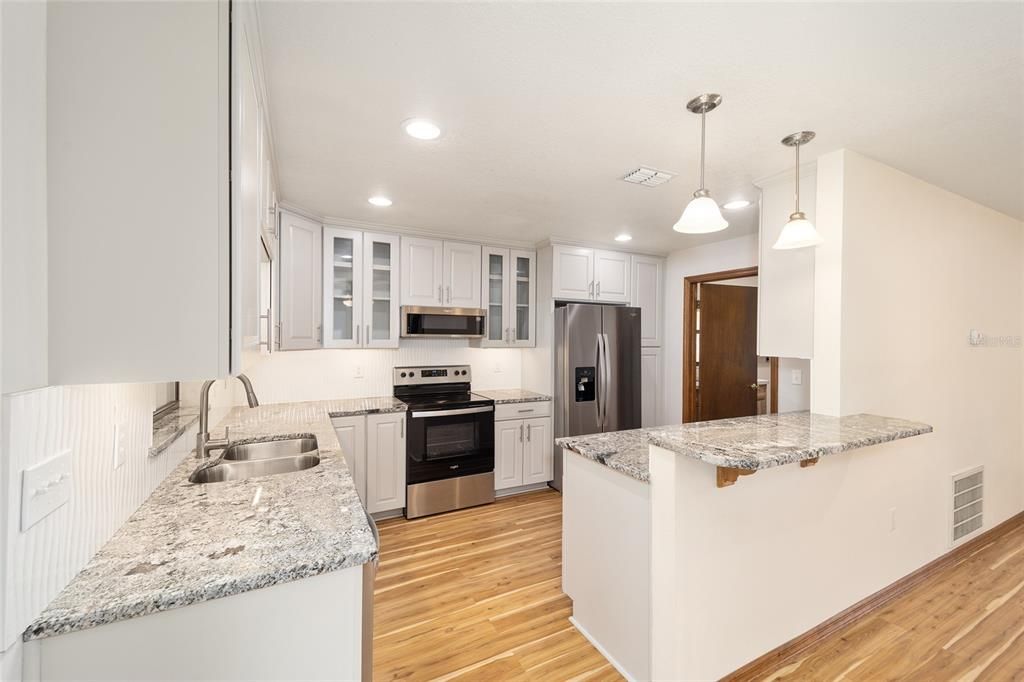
450 437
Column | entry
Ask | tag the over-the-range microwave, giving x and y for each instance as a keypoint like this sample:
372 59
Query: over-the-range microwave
461 323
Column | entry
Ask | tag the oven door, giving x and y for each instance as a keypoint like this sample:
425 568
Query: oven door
448 442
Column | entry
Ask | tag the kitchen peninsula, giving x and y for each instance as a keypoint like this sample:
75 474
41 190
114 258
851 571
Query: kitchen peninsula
683 520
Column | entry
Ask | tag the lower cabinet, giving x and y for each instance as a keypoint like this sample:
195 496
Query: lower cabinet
522 452
374 449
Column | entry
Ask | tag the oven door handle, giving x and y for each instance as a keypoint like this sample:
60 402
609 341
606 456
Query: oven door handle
452 413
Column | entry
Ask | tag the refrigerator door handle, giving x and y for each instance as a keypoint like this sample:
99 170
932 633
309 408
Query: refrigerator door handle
600 380
606 371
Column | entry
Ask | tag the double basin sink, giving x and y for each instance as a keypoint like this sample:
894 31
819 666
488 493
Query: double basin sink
259 458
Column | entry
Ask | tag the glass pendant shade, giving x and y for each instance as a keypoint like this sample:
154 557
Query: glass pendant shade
798 233
701 216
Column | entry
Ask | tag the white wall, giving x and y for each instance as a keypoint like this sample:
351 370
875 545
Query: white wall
730 254
794 397
332 373
38 424
23 174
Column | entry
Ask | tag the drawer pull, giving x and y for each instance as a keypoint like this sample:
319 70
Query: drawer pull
525 411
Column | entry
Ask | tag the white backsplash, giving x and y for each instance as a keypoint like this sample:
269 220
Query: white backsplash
332 373
38 424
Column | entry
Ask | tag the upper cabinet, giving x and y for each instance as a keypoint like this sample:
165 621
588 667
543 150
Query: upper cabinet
647 291
583 274
440 273
139 194
785 286
509 296
300 277
360 307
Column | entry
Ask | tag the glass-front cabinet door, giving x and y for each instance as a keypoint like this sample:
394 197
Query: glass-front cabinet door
380 308
495 297
523 288
343 291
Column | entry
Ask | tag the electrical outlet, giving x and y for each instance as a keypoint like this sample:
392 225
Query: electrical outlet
797 376
358 373
45 487
497 368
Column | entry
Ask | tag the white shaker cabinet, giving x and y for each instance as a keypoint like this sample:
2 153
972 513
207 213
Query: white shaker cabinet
422 271
461 275
301 276
650 387
538 462
523 450
509 297
582 274
508 454
380 290
351 432
647 288
343 287
611 276
385 462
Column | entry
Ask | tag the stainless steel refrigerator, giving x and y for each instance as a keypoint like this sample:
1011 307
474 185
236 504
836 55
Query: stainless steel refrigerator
597 372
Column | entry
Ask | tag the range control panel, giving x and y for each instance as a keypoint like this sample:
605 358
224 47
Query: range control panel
586 384
413 376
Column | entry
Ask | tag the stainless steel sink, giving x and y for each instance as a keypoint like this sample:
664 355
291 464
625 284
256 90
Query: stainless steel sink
222 469
271 449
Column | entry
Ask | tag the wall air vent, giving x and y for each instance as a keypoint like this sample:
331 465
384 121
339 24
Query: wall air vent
648 177
968 500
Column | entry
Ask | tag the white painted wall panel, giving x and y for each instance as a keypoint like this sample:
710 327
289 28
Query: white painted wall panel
37 424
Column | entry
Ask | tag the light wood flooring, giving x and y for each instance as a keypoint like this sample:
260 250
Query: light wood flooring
964 623
476 595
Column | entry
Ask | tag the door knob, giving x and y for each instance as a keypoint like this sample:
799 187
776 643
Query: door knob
753 386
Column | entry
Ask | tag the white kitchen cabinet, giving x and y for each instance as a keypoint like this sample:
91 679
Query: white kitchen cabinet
301 271
785 278
647 288
538 451
380 290
351 432
343 287
509 296
385 462
650 386
523 452
461 275
508 454
611 276
422 266
581 274
573 276
137 182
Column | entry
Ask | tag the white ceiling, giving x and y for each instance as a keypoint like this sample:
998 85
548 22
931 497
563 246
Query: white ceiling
545 106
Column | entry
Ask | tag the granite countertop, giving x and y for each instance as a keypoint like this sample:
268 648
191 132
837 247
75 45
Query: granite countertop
352 407
503 396
171 426
192 543
749 443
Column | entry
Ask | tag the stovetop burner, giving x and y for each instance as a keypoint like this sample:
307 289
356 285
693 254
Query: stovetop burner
438 386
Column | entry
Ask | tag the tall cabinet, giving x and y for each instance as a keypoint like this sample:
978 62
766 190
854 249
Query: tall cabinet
509 295
301 282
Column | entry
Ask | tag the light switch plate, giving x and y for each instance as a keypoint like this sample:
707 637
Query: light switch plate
797 377
45 487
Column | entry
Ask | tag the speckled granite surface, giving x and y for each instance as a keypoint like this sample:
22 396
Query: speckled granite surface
502 396
351 407
169 428
758 442
191 543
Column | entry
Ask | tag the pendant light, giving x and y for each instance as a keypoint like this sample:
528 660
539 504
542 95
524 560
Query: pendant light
799 232
701 214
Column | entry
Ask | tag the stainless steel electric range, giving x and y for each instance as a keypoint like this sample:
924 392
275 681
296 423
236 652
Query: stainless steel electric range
449 447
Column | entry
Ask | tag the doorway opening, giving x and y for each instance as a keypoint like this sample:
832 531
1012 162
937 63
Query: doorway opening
723 376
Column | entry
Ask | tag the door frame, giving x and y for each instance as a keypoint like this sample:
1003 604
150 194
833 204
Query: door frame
690 341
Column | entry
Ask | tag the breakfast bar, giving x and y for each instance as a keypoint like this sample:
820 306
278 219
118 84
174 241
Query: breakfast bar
683 518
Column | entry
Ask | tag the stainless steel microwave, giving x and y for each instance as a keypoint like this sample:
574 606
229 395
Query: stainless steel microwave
464 323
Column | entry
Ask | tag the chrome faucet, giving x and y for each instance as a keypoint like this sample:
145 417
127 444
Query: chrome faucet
204 444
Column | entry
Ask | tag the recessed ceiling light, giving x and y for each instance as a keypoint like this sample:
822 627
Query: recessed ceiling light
422 129
380 201
623 237
735 204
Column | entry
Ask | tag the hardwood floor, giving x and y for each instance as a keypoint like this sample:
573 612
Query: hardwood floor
964 623
476 595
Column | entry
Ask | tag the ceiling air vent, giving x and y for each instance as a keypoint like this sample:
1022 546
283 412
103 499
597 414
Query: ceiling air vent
968 499
648 177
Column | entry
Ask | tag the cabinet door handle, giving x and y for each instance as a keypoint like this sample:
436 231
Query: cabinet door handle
521 433
449 294
319 334
590 289
598 290
440 296
529 428
359 329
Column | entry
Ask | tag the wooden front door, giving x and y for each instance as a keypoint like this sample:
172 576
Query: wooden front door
728 352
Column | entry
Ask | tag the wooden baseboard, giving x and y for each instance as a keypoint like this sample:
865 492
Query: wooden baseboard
787 653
